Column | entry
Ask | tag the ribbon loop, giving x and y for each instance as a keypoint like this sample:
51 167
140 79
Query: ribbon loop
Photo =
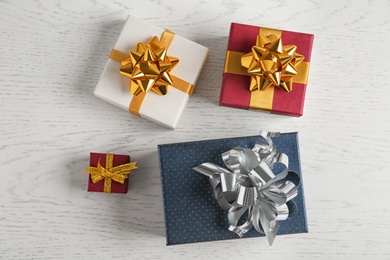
240 160
235 213
250 188
247 196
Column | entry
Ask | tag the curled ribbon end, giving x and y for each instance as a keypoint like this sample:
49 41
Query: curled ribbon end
270 240
271 234
135 167
239 231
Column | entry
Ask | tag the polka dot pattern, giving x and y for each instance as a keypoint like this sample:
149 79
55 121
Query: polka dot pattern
190 210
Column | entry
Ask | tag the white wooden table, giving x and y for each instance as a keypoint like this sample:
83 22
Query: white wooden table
51 56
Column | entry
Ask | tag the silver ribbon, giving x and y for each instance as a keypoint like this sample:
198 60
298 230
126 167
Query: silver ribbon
250 188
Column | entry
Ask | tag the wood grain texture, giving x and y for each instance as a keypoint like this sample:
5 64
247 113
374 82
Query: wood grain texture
51 56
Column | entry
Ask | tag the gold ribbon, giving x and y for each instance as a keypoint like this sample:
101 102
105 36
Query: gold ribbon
269 64
149 68
110 173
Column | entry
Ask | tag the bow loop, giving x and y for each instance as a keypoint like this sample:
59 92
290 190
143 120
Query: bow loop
240 160
274 194
118 177
247 196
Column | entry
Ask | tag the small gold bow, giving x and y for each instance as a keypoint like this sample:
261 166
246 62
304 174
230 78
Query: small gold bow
109 173
271 64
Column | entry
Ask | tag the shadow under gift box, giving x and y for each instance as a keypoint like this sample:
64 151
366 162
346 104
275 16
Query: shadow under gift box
165 110
235 87
191 212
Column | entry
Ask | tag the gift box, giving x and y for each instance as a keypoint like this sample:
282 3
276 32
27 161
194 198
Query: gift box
264 71
191 213
169 69
109 172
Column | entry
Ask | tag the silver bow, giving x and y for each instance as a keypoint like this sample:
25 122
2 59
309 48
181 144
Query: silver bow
250 186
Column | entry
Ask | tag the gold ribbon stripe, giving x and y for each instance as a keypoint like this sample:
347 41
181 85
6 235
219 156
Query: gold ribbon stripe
262 99
107 181
118 56
166 38
135 104
269 31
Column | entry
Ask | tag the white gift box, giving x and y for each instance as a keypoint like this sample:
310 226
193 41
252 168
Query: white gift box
164 110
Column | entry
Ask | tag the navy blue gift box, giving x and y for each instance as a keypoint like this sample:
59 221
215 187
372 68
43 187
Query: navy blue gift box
191 212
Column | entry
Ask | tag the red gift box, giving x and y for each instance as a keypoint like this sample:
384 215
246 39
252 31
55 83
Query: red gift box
235 87
117 159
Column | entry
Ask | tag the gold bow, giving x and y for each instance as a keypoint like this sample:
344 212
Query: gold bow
271 64
149 66
109 173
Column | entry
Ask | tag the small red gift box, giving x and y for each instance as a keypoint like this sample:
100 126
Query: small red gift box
237 81
109 172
